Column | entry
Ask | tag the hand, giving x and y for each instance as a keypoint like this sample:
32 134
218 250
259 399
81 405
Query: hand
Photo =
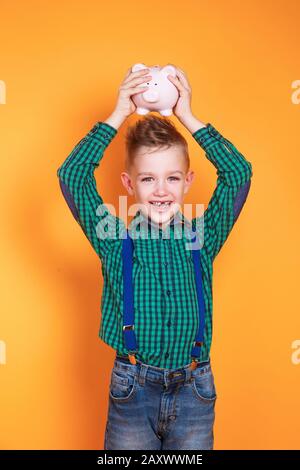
125 106
182 108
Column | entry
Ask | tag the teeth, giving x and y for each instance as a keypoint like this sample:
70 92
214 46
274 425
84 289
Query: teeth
157 203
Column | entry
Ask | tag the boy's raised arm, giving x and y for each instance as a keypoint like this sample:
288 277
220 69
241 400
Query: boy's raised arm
78 185
233 184
76 174
233 170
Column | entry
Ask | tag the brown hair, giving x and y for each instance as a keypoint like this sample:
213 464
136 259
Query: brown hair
153 131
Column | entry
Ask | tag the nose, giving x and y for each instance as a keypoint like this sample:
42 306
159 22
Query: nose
160 189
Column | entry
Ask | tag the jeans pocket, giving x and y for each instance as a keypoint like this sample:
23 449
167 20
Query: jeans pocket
123 385
204 387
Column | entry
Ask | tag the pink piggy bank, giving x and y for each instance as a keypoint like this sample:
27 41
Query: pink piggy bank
161 95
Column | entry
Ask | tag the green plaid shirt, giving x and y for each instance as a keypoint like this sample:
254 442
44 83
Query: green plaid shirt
165 299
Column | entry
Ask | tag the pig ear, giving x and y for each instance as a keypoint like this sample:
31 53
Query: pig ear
169 70
137 67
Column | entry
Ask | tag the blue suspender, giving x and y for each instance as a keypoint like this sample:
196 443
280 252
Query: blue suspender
128 300
200 297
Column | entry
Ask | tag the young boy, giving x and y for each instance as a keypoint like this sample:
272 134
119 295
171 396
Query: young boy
162 392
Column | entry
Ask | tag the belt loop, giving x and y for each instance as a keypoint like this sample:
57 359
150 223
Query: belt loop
142 372
188 374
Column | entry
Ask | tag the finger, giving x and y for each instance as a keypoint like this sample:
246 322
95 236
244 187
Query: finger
176 82
181 73
138 89
132 91
137 73
128 72
136 80
183 77
181 70
127 92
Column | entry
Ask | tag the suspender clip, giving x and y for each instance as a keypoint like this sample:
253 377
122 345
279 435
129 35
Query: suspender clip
132 359
193 364
128 327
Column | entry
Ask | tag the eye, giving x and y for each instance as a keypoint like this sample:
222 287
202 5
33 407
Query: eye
147 178
175 178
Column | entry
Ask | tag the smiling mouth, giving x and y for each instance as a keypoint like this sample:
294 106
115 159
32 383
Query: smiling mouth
161 205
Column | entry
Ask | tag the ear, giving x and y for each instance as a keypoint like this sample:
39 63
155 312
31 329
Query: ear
169 70
137 67
188 181
126 181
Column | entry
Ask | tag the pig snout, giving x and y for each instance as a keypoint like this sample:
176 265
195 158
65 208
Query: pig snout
151 96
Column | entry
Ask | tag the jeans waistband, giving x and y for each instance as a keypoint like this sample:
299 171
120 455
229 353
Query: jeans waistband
125 359
158 374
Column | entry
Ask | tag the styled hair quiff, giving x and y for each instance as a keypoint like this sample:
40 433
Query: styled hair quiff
153 132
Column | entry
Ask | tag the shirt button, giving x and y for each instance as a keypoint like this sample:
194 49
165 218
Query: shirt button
167 355
201 139
166 263
169 292
169 323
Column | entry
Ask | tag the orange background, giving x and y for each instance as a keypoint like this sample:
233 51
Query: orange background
62 63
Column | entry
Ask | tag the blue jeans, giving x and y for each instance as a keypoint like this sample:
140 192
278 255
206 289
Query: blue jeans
156 409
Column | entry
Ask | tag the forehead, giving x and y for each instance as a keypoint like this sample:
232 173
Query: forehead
159 159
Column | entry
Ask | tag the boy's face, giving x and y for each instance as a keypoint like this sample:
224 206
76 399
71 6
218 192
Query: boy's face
158 176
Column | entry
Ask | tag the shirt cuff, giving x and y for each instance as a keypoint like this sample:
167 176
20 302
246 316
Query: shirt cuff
207 136
103 132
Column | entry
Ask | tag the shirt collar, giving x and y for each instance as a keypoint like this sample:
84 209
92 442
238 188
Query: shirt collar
143 223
